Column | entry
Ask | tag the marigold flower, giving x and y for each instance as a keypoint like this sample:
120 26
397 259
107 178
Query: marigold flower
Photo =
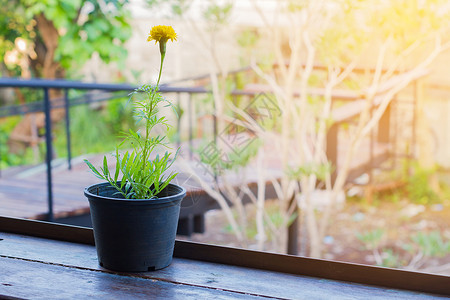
162 34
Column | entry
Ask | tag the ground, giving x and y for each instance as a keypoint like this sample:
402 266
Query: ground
380 233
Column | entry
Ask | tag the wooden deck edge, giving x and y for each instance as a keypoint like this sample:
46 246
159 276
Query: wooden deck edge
362 274
68 233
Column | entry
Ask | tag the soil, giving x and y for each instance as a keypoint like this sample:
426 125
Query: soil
394 222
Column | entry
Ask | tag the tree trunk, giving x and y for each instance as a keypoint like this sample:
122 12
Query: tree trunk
25 134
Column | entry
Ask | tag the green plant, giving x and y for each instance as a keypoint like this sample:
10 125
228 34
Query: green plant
7 158
142 175
119 115
102 136
429 244
418 187
371 239
390 259
64 34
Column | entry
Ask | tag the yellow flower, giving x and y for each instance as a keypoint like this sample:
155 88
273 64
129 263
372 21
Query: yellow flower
162 34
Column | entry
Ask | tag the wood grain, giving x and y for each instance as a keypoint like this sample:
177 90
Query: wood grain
35 280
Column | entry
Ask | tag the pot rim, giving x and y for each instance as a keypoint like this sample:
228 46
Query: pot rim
161 200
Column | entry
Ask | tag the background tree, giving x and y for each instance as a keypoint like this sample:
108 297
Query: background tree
53 39
61 36
397 39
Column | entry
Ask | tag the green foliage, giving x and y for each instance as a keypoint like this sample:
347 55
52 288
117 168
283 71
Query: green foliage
390 259
430 244
84 28
296 5
83 117
213 155
104 126
319 170
8 159
241 157
119 115
343 41
402 23
394 19
103 32
138 174
424 245
418 187
218 13
104 123
371 239
248 38
13 24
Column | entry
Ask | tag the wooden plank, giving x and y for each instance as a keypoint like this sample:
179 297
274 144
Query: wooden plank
74 234
182 271
36 280
190 272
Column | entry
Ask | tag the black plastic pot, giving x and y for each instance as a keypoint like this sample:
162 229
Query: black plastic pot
134 235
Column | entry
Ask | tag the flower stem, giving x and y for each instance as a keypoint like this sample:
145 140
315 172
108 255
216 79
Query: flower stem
160 69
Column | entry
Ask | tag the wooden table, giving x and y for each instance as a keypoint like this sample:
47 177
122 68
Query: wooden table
46 268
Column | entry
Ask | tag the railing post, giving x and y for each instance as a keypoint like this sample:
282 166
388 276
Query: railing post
69 145
0 158
48 143
190 112
292 243
178 120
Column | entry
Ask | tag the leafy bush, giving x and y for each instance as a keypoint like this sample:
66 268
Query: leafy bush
371 239
8 159
418 187
430 244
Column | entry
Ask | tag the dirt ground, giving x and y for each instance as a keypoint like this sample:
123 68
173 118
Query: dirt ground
391 226
399 223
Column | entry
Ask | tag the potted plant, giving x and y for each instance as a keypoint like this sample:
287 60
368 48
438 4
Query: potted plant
135 212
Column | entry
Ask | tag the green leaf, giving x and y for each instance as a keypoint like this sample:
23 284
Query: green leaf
94 170
105 167
116 175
